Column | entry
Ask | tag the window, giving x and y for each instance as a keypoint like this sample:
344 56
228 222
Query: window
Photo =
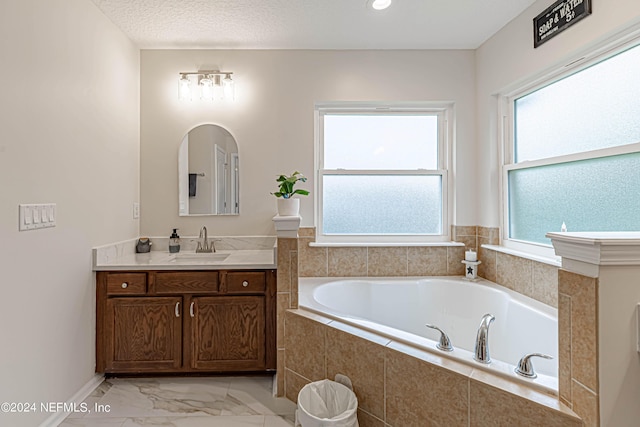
382 174
575 153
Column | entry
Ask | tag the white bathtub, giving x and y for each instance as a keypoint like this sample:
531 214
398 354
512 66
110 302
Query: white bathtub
398 308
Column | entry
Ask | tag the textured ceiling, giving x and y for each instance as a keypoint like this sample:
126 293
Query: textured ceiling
310 24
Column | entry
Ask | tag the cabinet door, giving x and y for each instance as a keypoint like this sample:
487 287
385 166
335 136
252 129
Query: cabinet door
228 333
143 334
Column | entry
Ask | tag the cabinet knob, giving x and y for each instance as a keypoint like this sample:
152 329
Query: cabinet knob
245 283
124 285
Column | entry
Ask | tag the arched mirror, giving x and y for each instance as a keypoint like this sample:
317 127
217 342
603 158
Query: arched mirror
208 172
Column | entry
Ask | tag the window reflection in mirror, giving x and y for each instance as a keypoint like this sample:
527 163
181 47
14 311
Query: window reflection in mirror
208 172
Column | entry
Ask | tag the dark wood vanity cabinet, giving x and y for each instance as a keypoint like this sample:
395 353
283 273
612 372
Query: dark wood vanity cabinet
185 321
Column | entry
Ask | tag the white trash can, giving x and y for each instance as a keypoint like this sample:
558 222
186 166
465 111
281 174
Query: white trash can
326 403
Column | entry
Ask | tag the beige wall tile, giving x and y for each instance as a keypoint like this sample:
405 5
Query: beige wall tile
427 261
305 346
514 273
584 340
282 305
584 326
347 262
464 230
307 232
293 383
487 268
281 374
387 261
585 404
455 255
312 261
564 347
363 362
421 394
490 234
491 406
285 246
470 242
545 283
365 419
293 303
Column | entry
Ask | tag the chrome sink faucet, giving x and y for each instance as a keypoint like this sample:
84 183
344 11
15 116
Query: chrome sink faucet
482 340
203 243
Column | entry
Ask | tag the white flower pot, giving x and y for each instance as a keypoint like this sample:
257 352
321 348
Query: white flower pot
288 207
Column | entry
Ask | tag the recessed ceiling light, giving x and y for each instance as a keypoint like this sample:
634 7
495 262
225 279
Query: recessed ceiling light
380 4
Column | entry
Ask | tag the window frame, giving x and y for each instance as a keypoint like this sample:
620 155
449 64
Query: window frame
444 113
506 132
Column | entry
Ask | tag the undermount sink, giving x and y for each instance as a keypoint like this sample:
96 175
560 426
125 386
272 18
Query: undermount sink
202 257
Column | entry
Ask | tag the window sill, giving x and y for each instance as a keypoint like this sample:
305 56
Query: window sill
555 261
380 245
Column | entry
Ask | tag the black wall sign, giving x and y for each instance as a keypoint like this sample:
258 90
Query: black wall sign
558 17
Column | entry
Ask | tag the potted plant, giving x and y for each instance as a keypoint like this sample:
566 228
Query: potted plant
288 205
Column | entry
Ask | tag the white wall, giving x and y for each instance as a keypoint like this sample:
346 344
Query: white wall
69 134
619 362
272 121
509 57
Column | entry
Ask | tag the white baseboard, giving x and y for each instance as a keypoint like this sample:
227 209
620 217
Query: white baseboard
55 419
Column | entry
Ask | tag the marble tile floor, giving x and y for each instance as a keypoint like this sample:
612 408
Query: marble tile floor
185 402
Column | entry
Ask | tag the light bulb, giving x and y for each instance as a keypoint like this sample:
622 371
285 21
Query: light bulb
184 88
206 88
228 88
380 4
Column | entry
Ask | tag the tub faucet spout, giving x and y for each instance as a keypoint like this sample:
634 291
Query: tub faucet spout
482 340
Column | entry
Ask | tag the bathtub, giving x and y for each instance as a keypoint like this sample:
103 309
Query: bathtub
399 308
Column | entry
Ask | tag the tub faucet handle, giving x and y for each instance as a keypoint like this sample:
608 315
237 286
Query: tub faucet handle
445 342
525 367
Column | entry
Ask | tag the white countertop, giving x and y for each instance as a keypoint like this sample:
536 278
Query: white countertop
160 260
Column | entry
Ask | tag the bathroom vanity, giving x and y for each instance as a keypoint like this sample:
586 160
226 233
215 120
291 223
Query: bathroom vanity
161 314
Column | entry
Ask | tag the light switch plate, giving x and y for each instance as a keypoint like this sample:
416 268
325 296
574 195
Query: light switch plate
35 216
136 210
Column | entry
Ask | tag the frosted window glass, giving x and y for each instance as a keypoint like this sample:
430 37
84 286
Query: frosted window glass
596 108
590 195
379 141
390 204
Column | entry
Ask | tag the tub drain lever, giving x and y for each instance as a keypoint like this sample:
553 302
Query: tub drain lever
445 342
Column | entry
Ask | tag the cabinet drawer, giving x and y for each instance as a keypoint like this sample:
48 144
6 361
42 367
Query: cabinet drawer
250 282
126 283
172 282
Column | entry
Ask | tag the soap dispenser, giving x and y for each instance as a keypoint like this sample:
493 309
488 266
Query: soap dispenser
174 242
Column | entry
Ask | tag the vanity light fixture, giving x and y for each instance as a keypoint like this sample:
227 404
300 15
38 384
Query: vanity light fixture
212 84
380 4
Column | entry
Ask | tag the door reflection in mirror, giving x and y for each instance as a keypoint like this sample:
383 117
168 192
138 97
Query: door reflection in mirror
208 172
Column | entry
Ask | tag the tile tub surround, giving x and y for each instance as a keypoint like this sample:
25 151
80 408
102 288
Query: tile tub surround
578 345
287 297
377 261
534 279
398 385
185 402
